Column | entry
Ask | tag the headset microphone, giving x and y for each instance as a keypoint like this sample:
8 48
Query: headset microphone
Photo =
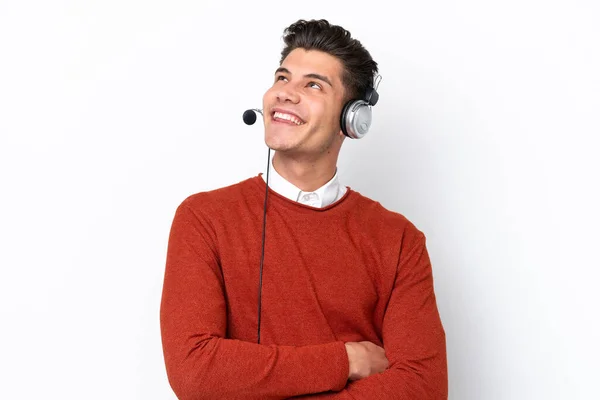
250 115
249 118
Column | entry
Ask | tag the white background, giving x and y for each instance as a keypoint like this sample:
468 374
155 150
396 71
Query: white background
485 136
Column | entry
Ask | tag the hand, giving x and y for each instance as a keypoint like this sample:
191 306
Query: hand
365 359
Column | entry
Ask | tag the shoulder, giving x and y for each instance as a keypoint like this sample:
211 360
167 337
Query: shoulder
222 198
380 218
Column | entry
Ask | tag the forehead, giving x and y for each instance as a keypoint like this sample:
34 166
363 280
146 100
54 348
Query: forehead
302 62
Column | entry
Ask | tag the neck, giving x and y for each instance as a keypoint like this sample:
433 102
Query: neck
307 175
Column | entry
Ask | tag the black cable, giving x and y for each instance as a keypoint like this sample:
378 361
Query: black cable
262 257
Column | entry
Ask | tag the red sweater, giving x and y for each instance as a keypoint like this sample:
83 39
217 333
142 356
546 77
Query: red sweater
348 272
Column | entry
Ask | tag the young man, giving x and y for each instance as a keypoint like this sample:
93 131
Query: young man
348 309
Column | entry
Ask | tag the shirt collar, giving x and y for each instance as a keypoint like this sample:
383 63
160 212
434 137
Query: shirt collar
325 195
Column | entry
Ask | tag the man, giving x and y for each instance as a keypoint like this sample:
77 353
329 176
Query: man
347 304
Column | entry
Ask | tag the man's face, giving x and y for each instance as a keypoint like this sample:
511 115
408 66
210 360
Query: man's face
302 109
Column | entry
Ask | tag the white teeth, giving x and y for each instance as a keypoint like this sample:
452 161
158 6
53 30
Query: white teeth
287 117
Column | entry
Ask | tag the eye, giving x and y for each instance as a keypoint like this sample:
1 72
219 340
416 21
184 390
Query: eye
314 85
280 77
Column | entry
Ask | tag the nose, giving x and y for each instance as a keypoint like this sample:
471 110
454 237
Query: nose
287 93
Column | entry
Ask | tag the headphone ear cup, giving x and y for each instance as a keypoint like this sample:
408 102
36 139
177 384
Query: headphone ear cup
356 119
344 117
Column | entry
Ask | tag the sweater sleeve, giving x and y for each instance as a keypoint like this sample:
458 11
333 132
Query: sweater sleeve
413 338
201 363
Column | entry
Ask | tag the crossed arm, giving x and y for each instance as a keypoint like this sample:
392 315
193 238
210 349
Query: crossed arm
202 363
413 337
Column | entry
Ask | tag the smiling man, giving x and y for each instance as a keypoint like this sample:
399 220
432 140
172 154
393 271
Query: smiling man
347 303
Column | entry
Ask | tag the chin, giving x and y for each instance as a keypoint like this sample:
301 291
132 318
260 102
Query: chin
280 142
279 145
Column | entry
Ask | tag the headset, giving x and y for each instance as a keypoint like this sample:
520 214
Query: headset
355 121
357 115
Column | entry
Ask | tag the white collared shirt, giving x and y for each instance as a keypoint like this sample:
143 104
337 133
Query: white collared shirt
327 194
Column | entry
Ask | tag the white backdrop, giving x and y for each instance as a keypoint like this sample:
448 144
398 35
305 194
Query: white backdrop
485 136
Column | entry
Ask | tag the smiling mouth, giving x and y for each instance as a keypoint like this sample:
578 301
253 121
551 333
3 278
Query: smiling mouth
287 118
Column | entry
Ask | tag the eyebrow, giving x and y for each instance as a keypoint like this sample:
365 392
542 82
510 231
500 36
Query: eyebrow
312 75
